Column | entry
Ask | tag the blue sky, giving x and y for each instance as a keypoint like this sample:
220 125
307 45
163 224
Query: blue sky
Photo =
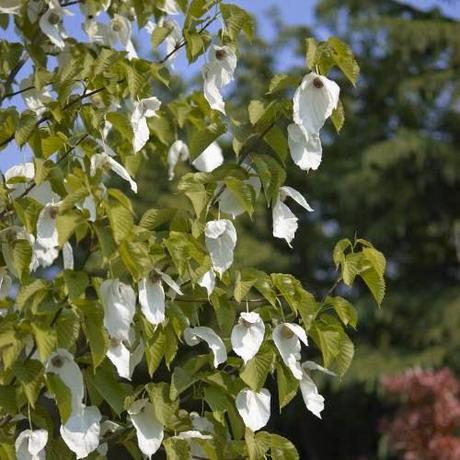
294 12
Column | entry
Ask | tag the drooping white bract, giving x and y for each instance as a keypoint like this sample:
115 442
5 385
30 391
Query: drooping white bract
208 281
47 233
10 6
67 256
5 283
62 363
152 295
312 399
247 336
105 161
193 336
218 72
51 24
169 7
177 152
220 240
119 302
81 431
284 220
228 202
173 38
34 98
306 150
287 338
143 109
149 430
314 101
30 445
23 172
254 407
121 31
122 358
209 159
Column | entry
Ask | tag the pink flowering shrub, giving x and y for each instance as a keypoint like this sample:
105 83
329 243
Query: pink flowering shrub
426 427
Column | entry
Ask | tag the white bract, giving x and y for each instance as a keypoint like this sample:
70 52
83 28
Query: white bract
123 359
229 203
81 432
177 152
51 24
152 295
149 430
16 177
34 98
30 445
62 363
254 407
209 159
220 239
247 336
306 150
173 38
47 233
169 7
314 101
67 256
119 302
287 338
218 72
193 336
104 161
10 6
143 109
121 31
208 281
312 399
284 220
5 283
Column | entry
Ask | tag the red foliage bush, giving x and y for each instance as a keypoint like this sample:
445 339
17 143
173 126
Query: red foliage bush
426 427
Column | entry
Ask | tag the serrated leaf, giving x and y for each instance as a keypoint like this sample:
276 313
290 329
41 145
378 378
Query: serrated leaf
61 394
338 117
344 59
287 385
163 406
76 283
236 19
45 338
202 138
256 370
30 375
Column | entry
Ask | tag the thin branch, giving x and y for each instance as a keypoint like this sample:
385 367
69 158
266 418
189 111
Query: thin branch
331 290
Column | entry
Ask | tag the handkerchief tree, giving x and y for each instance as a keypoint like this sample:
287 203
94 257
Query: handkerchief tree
139 332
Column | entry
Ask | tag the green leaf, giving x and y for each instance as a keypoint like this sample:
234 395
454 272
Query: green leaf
271 174
244 193
66 225
282 449
93 326
327 335
164 407
76 283
282 81
8 401
256 370
27 124
45 338
202 138
181 380
158 35
136 258
155 350
121 220
21 256
236 19
61 393
287 385
338 116
344 309
345 355
344 59
177 449
30 375
112 391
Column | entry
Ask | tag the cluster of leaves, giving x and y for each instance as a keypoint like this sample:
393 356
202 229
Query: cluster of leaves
57 309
